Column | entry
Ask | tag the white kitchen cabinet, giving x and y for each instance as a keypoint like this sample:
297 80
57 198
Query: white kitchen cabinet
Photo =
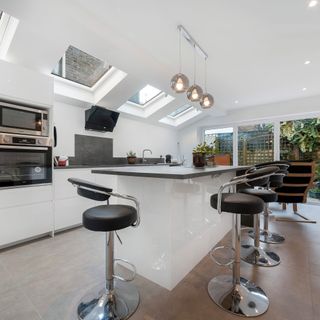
68 212
23 222
68 205
25 213
21 196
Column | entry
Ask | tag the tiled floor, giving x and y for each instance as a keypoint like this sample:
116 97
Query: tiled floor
45 279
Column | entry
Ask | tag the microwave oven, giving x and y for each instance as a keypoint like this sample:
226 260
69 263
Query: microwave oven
17 119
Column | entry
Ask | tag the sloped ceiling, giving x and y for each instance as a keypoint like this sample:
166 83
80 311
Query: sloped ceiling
256 49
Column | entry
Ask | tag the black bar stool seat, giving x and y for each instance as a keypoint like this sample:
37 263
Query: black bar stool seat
238 203
109 217
264 194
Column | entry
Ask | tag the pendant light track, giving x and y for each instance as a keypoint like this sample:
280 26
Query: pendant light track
180 82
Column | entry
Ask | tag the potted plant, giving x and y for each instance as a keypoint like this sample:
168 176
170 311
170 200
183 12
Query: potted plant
131 157
199 154
304 135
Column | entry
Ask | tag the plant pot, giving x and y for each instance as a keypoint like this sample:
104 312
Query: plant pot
199 160
223 159
131 160
210 161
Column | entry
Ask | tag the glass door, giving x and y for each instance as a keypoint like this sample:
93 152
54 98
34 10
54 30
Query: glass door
255 144
222 142
300 141
25 165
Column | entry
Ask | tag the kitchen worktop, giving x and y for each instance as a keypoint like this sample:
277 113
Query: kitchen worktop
167 172
87 166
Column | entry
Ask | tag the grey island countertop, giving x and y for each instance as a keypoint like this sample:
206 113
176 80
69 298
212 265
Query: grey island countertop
167 172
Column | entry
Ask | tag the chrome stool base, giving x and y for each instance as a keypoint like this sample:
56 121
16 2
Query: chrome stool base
118 305
258 256
244 299
268 236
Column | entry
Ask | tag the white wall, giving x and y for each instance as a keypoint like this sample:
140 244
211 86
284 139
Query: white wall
128 134
189 136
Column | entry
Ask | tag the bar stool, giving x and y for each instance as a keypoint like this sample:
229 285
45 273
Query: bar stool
276 181
118 300
234 293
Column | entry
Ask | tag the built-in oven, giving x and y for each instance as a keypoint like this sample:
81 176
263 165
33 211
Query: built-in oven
19 119
25 160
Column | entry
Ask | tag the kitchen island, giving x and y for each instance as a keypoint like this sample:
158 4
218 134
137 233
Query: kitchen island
178 226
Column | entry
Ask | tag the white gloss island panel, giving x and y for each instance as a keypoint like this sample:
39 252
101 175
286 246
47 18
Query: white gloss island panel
178 226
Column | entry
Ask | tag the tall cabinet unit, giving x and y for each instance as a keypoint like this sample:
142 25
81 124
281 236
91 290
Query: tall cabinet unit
25 212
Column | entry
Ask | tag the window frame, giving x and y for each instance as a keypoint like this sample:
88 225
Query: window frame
140 105
190 107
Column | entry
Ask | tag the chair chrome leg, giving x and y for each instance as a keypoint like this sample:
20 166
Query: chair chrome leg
304 219
117 301
256 255
266 235
234 293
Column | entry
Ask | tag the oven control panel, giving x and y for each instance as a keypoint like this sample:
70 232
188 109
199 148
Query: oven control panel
19 140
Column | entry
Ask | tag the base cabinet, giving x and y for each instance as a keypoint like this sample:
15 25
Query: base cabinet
25 222
68 212
30 212
68 205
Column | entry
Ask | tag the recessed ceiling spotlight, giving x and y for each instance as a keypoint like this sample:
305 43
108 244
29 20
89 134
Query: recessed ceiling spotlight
312 3
304 89
307 62
236 101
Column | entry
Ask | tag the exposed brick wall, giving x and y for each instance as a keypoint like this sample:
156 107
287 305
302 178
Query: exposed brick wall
81 67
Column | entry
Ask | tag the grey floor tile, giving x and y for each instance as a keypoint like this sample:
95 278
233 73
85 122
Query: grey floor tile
46 279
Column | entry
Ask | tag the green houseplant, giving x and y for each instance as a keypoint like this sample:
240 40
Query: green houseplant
131 157
199 154
304 135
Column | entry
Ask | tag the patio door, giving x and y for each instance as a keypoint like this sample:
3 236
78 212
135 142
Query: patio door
255 144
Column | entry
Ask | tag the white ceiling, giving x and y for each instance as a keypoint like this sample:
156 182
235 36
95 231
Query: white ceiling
256 48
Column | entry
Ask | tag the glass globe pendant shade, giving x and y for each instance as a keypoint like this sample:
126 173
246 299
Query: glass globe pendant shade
194 93
179 83
206 101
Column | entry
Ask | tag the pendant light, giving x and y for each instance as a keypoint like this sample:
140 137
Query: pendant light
206 100
179 82
194 93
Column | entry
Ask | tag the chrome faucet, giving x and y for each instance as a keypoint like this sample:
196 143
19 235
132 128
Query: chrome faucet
144 150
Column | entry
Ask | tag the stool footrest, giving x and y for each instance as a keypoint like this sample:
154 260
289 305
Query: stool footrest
133 270
216 260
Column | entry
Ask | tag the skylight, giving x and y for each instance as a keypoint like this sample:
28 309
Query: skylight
80 67
8 26
180 111
181 115
145 95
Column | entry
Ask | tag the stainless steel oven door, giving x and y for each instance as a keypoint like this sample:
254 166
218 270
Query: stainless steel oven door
20 165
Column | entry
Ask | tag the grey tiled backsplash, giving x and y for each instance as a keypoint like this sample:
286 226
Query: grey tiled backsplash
91 150
97 151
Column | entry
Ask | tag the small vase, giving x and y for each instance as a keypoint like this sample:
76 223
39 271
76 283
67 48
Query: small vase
199 160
